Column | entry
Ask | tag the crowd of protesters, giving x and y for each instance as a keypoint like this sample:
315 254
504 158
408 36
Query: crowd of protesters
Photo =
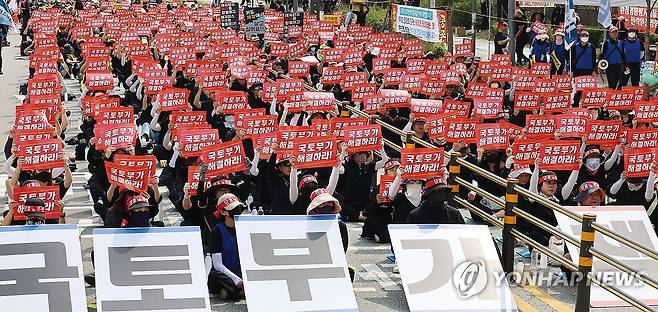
155 54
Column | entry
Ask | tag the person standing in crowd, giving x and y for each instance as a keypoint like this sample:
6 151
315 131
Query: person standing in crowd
557 17
559 53
583 56
501 41
521 36
541 48
633 49
614 55
434 208
225 277
484 15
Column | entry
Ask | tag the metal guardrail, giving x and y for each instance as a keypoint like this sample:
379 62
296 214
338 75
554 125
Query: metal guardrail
588 221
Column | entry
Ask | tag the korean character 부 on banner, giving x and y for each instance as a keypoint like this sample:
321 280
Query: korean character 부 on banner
42 268
294 263
154 269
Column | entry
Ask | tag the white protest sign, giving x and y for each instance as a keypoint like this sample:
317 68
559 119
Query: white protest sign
449 268
631 222
294 263
41 269
154 269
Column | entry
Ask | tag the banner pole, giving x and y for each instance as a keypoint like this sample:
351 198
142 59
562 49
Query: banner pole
511 7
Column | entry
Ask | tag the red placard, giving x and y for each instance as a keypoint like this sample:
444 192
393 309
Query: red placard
422 163
380 63
135 161
527 101
594 97
240 115
179 118
49 194
136 179
362 90
431 87
460 130
42 86
26 136
486 108
266 143
581 83
621 100
363 138
298 69
560 155
450 77
540 125
43 154
416 66
173 99
193 141
339 124
436 124
193 178
99 80
372 103
211 79
153 85
545 86
525 151
463 49
230 101
462 109
319 101
393 76
286 86
642 138
255 126
425 108
476 89
638 162
332 75
646 111
224 158
348 80
278 49
394 98
49 104
556 102
116 115
605 133
503 59
571 126
115 135
27 119
525 82
563 82
315 152
286 135
384 183
501 73
491 136
542 69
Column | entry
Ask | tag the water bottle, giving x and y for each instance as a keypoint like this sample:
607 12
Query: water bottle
254 212
534 259
260 211
246 211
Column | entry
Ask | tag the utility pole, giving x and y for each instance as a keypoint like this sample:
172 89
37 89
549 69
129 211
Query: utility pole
511 7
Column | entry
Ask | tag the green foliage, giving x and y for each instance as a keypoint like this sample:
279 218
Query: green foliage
377 17
439 49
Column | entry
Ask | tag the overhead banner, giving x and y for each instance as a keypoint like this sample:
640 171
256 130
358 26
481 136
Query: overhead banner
456 263
290 262
630 222
41 267
636 16
154 269
426 24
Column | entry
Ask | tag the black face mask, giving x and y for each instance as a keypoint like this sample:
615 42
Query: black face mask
44 177
235 211
139 219
34 221
325 210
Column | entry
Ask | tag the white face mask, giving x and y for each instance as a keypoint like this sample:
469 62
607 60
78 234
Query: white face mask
584 39
413 192
592 163
631 35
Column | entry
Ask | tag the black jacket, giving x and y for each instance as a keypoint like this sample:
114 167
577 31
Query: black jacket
435 210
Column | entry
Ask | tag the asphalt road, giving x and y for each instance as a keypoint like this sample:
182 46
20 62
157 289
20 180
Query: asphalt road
376 287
